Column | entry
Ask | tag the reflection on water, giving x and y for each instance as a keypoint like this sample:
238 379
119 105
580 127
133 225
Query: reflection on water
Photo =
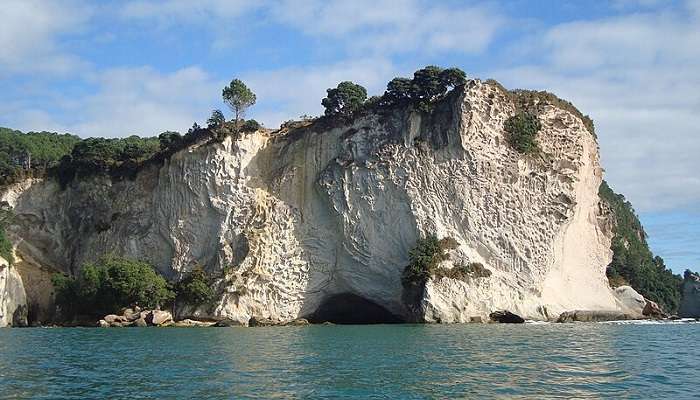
378 361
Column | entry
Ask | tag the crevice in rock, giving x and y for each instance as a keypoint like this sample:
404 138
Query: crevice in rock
349 308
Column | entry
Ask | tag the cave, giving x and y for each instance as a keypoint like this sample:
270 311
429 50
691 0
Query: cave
349 308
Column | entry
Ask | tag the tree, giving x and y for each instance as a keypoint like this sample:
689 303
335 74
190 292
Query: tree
195 288
238 97
168 138
428 85
110 283
345 99
217 119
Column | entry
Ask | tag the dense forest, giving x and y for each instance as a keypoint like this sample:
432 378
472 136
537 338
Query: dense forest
633 262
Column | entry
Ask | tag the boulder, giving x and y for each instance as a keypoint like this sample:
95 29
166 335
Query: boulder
257 322
227 323
140 323
298 322
131 314
188 323
629 300
476 320
102 324
506 317
112 318
652 310
159 318
593 316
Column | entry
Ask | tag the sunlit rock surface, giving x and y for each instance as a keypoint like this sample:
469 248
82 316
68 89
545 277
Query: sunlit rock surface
289 219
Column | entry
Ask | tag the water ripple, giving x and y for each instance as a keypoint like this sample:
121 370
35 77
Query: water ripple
330 362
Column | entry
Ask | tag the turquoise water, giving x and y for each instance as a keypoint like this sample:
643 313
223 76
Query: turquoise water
329 362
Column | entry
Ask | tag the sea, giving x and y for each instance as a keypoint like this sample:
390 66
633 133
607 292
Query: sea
470 361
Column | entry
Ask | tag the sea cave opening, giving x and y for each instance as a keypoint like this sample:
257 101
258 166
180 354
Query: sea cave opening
349 308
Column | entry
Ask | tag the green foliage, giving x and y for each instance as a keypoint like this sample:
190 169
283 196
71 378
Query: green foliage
5 246
195 288
168 139
345 99
238 97
108 285
464 272
250 125
632 261
22 154
428 85
522 130
118 157
216 119
424 259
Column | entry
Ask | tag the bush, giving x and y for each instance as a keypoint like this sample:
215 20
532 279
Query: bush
5 247
250 125
195 288
464 272
522 129
424 259
108 285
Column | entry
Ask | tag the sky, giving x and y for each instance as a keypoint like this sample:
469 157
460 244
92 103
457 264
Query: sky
117 68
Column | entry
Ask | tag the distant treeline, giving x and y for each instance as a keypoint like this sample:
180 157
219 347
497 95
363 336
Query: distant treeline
633 262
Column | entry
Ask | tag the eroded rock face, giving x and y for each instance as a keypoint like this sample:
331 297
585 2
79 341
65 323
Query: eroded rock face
13 299
287 221
690 301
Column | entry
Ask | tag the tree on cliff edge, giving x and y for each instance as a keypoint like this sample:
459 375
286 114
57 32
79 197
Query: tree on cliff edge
238 97
345 99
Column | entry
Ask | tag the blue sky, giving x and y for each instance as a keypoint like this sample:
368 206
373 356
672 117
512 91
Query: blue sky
116 68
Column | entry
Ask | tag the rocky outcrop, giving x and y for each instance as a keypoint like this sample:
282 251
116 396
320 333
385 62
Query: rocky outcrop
629 301
137 318
291 222
594 316
13 299
506 317
690 300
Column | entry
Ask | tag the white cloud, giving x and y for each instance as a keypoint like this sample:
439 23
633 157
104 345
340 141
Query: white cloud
131 101
637 77
29 35
183 11
393 26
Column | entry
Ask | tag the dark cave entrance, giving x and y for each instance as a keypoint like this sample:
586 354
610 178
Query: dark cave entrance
348 308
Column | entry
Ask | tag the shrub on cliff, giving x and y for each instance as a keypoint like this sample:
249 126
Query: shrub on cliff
109 284
5 246
633 261
344 99
424 258
522 130
195 288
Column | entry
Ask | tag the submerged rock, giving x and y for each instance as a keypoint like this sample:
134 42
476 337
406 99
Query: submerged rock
593 316
228 323
506 317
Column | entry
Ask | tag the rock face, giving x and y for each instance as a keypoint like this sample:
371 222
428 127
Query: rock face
13 299
292 221
690 302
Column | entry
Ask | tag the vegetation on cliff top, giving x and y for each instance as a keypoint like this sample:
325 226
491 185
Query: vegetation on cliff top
633 262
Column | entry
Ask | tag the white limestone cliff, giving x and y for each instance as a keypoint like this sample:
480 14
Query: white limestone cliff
13 299
287 220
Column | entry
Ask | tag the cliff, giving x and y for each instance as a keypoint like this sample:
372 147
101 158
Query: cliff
306 222
690 289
